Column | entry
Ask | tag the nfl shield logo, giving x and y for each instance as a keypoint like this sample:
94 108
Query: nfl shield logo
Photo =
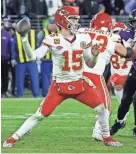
83 45
56 41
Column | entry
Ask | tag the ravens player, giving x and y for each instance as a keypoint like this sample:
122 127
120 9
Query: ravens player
129 92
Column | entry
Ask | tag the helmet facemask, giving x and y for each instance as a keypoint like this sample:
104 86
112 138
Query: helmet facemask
132 19
73 22
133 24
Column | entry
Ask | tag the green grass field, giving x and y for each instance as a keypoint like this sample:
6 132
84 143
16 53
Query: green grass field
67 130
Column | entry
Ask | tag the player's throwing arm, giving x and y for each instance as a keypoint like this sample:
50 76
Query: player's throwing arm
23 27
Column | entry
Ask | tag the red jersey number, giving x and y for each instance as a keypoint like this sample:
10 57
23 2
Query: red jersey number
76 57
103 41
115 62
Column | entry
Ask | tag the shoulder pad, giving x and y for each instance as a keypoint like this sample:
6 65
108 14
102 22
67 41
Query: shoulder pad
116 38
81 30
84 30
85 40
51 40
47 41
126 34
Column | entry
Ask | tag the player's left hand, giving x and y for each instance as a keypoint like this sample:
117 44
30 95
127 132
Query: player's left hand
95 49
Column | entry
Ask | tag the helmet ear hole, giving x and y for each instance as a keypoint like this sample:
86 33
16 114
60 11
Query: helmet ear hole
69 26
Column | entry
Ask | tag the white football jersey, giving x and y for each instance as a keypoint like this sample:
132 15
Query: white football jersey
107 42
120 65
67 56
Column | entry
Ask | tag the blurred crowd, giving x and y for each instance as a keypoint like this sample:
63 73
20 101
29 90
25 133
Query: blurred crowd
49 7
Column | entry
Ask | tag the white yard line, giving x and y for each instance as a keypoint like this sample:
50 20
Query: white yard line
31 98
61 115
67 153
21 99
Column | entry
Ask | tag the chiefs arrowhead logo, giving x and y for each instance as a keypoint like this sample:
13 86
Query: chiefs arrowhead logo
70 87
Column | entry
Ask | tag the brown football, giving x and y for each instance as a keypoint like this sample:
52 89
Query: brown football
23 27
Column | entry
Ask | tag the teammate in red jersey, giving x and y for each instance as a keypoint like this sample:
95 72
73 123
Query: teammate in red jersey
109 43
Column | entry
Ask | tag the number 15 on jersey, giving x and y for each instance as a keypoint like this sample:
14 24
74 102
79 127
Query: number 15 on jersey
76 60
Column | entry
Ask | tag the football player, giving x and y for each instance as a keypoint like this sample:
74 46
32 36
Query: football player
119 66
129 91
100 31
67 51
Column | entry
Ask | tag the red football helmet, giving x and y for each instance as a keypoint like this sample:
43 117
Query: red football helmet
101 20
118 26
93 23
67 18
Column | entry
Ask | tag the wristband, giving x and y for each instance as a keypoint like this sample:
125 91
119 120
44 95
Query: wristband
129 52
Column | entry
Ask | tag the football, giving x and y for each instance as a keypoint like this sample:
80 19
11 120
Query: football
23 27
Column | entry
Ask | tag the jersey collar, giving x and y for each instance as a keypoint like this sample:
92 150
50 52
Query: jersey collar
71 41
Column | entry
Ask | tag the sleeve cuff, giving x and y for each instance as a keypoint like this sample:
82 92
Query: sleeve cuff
24 39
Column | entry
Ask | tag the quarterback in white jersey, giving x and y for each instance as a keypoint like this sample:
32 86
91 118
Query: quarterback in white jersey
67 51
109 44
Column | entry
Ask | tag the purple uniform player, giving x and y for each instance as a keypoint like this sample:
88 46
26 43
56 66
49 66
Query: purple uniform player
128 36
129 92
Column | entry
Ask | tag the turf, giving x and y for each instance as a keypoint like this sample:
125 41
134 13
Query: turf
67 130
